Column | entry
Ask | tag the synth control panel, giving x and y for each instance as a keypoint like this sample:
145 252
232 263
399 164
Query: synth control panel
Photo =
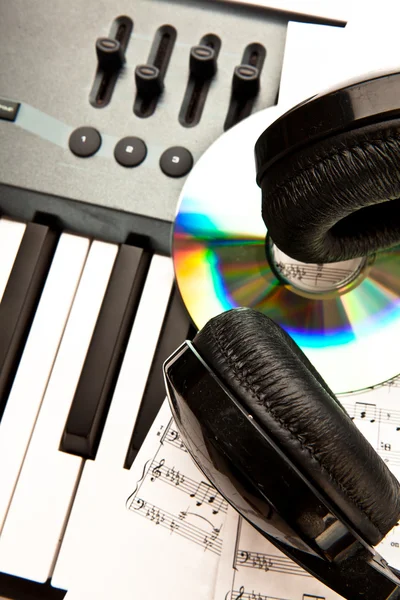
106 106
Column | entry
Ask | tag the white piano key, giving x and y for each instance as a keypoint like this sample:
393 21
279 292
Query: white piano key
109 463
40 506
37 361
136 365
11 234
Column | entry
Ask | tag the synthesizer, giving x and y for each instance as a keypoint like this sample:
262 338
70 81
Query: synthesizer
104 109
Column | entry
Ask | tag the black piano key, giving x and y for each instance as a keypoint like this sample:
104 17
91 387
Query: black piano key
94 391
20 299
175 330
16 588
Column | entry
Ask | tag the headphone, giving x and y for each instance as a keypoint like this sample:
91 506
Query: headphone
254 413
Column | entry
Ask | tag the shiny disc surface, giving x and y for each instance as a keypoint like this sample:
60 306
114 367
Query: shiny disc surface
345 317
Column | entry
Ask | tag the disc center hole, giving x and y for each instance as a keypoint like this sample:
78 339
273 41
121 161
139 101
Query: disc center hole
314 278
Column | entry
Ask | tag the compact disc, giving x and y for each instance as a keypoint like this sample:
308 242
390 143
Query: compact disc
344 316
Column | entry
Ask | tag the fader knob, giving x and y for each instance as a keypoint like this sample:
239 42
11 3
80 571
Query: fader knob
148 81
110 54
246 81
203 62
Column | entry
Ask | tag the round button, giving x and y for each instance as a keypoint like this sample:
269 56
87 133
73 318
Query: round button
176 161
130 151
84 141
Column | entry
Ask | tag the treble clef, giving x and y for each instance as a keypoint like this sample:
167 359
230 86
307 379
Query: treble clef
156 471
241 592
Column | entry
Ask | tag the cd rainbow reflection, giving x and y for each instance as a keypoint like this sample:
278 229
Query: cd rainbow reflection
220 259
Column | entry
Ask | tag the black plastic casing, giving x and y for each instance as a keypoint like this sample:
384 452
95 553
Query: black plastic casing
255 476
373 100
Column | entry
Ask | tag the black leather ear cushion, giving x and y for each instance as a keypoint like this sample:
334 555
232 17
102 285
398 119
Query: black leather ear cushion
337 199
275 381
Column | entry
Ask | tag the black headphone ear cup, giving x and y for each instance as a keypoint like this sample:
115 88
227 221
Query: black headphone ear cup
275 382
339 198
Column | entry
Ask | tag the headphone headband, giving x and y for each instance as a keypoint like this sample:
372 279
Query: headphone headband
336 111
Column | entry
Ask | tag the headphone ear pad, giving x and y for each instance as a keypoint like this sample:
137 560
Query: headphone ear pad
337 199
273 379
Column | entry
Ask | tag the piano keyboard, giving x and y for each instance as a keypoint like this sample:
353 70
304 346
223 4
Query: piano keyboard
73 311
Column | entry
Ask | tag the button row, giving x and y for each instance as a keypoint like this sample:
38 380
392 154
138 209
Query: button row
131 151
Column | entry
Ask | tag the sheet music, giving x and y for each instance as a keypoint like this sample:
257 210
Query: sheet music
375 412
179 518
253 569
181 522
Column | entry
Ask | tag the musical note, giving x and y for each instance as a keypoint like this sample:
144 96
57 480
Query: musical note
370 413
209 540
161 511
318 274
364 410
386 447
205 493
291 271
173 526
314 274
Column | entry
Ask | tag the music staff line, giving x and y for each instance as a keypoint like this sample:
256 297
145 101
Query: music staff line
369 412
172 437
178 525
241 594
268 562
324 273
357 411
202 492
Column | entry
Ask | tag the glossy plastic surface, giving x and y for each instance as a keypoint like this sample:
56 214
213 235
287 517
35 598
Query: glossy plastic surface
359 103
255 476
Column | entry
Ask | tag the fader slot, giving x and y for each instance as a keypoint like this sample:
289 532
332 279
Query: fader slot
202 67
111 57
149 77
245 84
